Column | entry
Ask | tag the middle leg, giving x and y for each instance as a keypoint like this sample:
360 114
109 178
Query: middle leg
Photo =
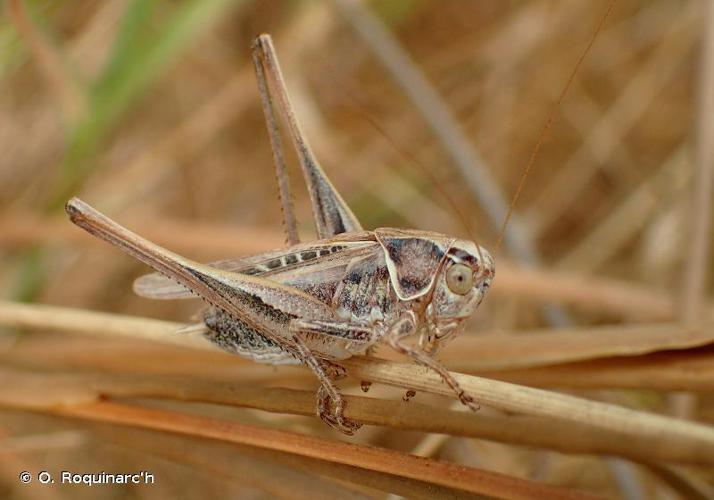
330 403
357 334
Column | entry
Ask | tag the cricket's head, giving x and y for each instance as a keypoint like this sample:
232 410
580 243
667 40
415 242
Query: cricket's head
451 274
460 286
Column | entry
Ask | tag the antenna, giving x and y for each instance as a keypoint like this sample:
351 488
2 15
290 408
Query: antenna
548 124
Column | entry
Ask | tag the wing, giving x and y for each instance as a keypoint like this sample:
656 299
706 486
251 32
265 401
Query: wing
287 266
158 286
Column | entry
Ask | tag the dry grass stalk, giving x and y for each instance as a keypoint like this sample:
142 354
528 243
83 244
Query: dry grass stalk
625 220
519 430
699 250
121 356
195 134
684 438
487 351
437 472
238 463
633 101
686 485
49 61
493 351
242 464
226 457
210 241
664 371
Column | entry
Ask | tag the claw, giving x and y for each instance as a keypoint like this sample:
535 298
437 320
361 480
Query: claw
469 401
333 370
334 417
409 395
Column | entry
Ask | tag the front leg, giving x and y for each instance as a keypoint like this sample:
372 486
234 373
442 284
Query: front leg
405 326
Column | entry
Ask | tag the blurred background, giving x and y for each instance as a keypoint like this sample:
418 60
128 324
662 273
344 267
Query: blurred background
424 114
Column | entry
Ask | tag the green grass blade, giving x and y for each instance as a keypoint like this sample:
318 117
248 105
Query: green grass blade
140 57
143 50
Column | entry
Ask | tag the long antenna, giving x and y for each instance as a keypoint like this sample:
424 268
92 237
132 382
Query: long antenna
548 124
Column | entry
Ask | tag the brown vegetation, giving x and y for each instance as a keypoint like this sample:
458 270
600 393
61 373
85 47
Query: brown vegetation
593 357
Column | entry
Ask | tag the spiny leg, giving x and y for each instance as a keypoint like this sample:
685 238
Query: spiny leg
339 330
265 306
405 326
332 215
330 404
342 330
281 173
345 330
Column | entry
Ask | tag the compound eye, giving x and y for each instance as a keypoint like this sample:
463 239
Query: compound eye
459 279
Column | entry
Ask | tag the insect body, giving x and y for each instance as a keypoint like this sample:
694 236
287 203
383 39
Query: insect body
367 279
321 302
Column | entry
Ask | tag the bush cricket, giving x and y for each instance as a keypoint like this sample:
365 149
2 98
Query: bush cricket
319 302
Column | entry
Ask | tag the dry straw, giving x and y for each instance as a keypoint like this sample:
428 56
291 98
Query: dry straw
611 429
116 380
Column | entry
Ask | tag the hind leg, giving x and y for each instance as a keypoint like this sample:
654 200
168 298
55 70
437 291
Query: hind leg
331 213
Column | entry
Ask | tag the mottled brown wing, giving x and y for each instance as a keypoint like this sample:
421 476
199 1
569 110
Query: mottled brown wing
157 286
321 260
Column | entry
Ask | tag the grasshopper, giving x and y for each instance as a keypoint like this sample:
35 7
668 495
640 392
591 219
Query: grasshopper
320 302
